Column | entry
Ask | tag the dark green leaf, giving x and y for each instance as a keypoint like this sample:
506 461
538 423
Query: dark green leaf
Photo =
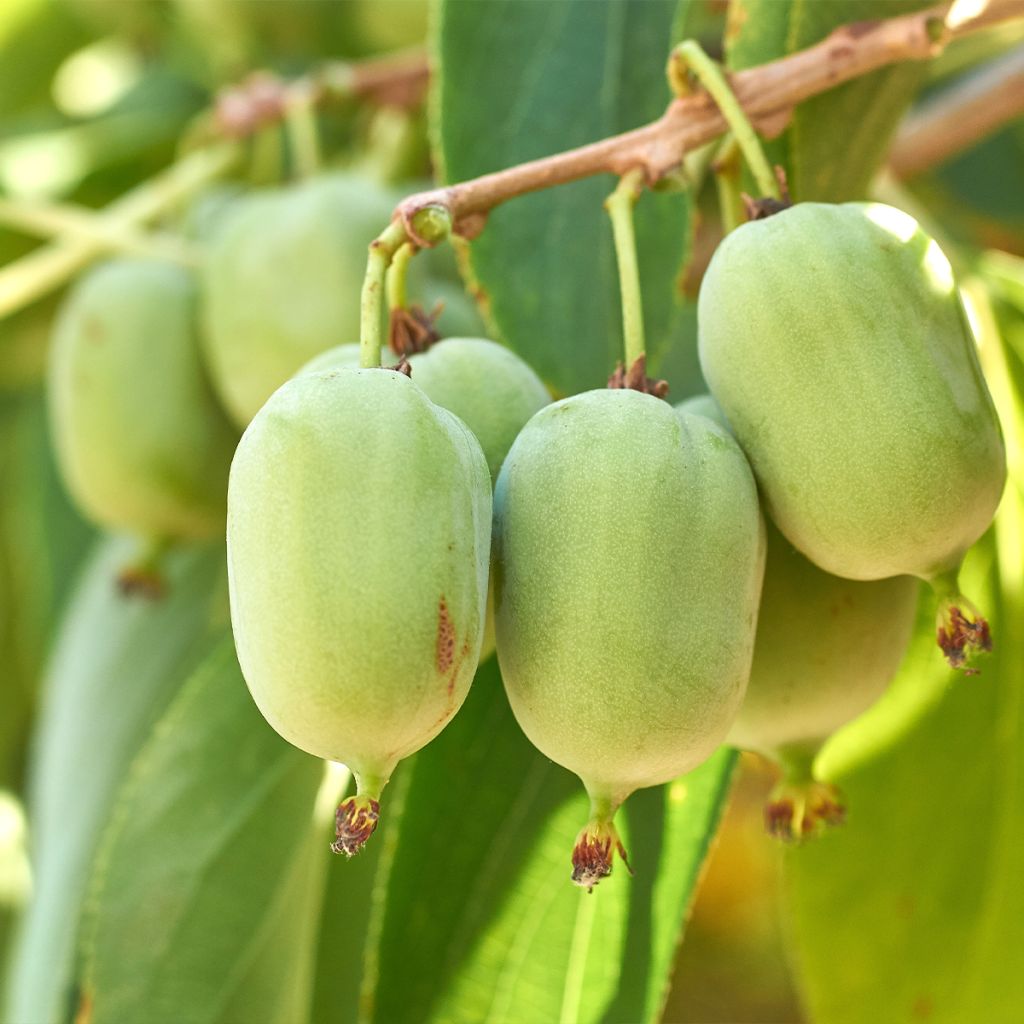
518 80
476 915
213 854
116 665
835 141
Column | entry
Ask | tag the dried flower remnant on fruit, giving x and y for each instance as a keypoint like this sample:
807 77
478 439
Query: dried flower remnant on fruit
594 852
636 379
354 822
961 635
800 810
768 206
142 581
413 330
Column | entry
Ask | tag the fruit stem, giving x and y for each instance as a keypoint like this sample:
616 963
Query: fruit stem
688 56
620 209
145 576
371 333
301 126
961 631
726 165
48 267
398 274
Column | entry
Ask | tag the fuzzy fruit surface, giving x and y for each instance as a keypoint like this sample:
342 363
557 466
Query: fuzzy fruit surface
826 647
834 339
486 385
142 443
282 282
358 544
628 561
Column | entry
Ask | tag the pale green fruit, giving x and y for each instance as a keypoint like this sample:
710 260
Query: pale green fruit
358 543
835 341
629 550
486 385
143 445
826 650
282 282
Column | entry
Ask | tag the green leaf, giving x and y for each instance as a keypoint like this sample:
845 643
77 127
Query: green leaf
116 665
42 542
913 910
475 914
215 856
518 80
836 141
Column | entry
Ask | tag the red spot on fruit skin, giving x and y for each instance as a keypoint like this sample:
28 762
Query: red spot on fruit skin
445 637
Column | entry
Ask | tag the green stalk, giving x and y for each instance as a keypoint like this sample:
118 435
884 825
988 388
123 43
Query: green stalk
382 251
49 220
398 274
301 127
620 209
727 182
47 268
688 56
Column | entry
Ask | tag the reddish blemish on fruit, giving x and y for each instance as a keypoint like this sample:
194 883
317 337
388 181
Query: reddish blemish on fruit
445 638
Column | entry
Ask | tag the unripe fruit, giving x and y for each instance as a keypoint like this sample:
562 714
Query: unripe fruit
358 543
628 561
486 385
282 282
826 650
835 341
142 443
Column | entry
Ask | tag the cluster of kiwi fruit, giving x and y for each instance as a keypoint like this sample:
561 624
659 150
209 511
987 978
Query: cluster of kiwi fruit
741 568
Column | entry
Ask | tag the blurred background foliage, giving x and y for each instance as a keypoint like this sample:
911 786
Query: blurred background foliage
97 96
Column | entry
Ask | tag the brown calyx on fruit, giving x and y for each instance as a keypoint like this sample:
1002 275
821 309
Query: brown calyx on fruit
354 822
768 206
413 330
594 852
796 811
636 379
961 633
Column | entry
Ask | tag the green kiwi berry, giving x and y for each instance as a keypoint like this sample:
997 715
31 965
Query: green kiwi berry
835 341
629 550
358 547
142 444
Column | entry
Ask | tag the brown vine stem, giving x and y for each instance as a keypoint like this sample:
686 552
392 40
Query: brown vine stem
962 115
767 93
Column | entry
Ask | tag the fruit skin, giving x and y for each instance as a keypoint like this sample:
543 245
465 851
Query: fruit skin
282 282
486 385
826 649
142 444
834 339
628 563
358 544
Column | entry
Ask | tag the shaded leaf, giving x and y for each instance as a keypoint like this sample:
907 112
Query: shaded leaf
214 854
836 141
115 666
518 80
476 915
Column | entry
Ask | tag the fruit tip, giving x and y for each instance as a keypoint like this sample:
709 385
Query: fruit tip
594 852
796 811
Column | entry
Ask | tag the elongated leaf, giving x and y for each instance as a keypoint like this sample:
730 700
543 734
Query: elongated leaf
42 542
116 665
214 854
913 912
518 80
835 141
476 917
